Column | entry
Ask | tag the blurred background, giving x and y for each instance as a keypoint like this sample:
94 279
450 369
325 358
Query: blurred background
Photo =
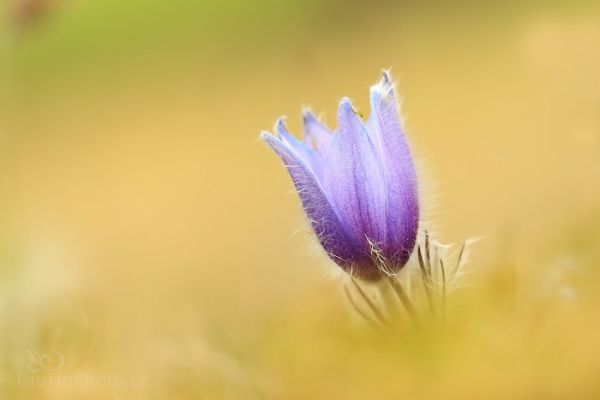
151 247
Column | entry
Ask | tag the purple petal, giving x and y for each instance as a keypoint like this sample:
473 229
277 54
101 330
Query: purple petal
402 198
307 154
354 180
324 219
316 135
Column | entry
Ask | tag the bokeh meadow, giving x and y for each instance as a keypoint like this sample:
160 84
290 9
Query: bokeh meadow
151 247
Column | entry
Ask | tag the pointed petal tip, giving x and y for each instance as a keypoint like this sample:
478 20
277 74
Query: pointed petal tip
344 109
308 120
347 110
273 141
282 131
317 136
280 125
344 101
346 106
384 89
267 137
386 77
307 114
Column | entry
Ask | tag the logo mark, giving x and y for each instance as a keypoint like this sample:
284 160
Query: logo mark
51 361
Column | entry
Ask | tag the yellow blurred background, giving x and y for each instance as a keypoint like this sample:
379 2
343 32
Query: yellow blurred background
147 235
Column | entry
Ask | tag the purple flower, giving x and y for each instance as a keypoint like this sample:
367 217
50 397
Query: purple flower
357 185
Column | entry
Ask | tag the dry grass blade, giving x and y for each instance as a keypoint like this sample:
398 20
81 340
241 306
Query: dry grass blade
459 261
436 259
380 317
443 271
357 307
427 254
421 262
405 300
426 278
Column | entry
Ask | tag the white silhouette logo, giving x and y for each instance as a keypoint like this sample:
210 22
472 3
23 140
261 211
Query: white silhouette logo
51 361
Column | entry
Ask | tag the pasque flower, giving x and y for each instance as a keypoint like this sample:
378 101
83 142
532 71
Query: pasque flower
357 185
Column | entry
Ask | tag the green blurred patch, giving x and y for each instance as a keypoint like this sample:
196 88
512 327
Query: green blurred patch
100 32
